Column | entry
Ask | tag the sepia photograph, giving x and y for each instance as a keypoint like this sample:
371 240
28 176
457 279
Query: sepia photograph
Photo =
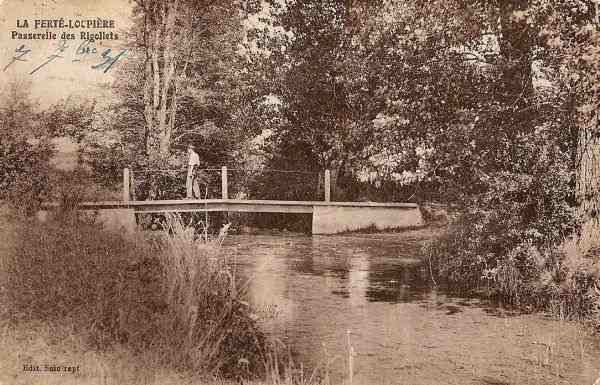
299 192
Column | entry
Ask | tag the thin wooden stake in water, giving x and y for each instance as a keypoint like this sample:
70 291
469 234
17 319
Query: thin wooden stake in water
350 360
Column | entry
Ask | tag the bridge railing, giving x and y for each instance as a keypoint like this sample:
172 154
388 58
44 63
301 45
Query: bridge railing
168 184
228 183
269 184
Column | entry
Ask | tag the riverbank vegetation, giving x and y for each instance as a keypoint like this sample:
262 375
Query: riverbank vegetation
480 253
173 301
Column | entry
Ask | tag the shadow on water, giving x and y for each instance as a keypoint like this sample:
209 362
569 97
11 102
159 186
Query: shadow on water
401 282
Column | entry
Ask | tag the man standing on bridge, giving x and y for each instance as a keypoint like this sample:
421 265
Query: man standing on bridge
191 182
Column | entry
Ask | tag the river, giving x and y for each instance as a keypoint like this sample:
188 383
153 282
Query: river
319 294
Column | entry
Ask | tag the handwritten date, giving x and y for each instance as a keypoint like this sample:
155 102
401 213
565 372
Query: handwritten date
107 58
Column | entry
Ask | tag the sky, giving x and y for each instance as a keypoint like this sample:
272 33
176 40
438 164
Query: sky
62 77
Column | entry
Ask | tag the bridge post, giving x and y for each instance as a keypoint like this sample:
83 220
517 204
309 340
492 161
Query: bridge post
327 185
126 185
224 193
132 192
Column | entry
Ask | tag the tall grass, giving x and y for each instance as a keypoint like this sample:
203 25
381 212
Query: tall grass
213 327
178 300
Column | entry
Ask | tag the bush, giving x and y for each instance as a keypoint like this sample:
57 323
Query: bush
531 264
481 249
24 170
175 296
505 238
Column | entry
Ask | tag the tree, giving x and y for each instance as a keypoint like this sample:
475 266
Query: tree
189 68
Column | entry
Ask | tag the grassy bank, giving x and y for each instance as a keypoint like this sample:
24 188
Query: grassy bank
125 310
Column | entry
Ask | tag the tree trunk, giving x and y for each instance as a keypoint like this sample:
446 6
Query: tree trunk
587 189
168 79
159 85
587 168
148 76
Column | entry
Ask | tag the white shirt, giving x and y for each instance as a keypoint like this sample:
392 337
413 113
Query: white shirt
193 159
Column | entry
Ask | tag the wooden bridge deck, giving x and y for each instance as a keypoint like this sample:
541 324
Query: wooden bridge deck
233 205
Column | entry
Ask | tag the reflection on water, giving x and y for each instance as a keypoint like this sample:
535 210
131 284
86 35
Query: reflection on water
403 330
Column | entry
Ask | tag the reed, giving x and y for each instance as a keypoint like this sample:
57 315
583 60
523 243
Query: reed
281 369
214 325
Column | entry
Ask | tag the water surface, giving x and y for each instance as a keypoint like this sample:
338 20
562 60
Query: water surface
402 328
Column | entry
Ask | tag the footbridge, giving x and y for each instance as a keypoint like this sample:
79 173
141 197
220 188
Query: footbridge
328 217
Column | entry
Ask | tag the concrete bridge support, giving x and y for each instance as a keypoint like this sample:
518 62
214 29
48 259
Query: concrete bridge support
336 219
